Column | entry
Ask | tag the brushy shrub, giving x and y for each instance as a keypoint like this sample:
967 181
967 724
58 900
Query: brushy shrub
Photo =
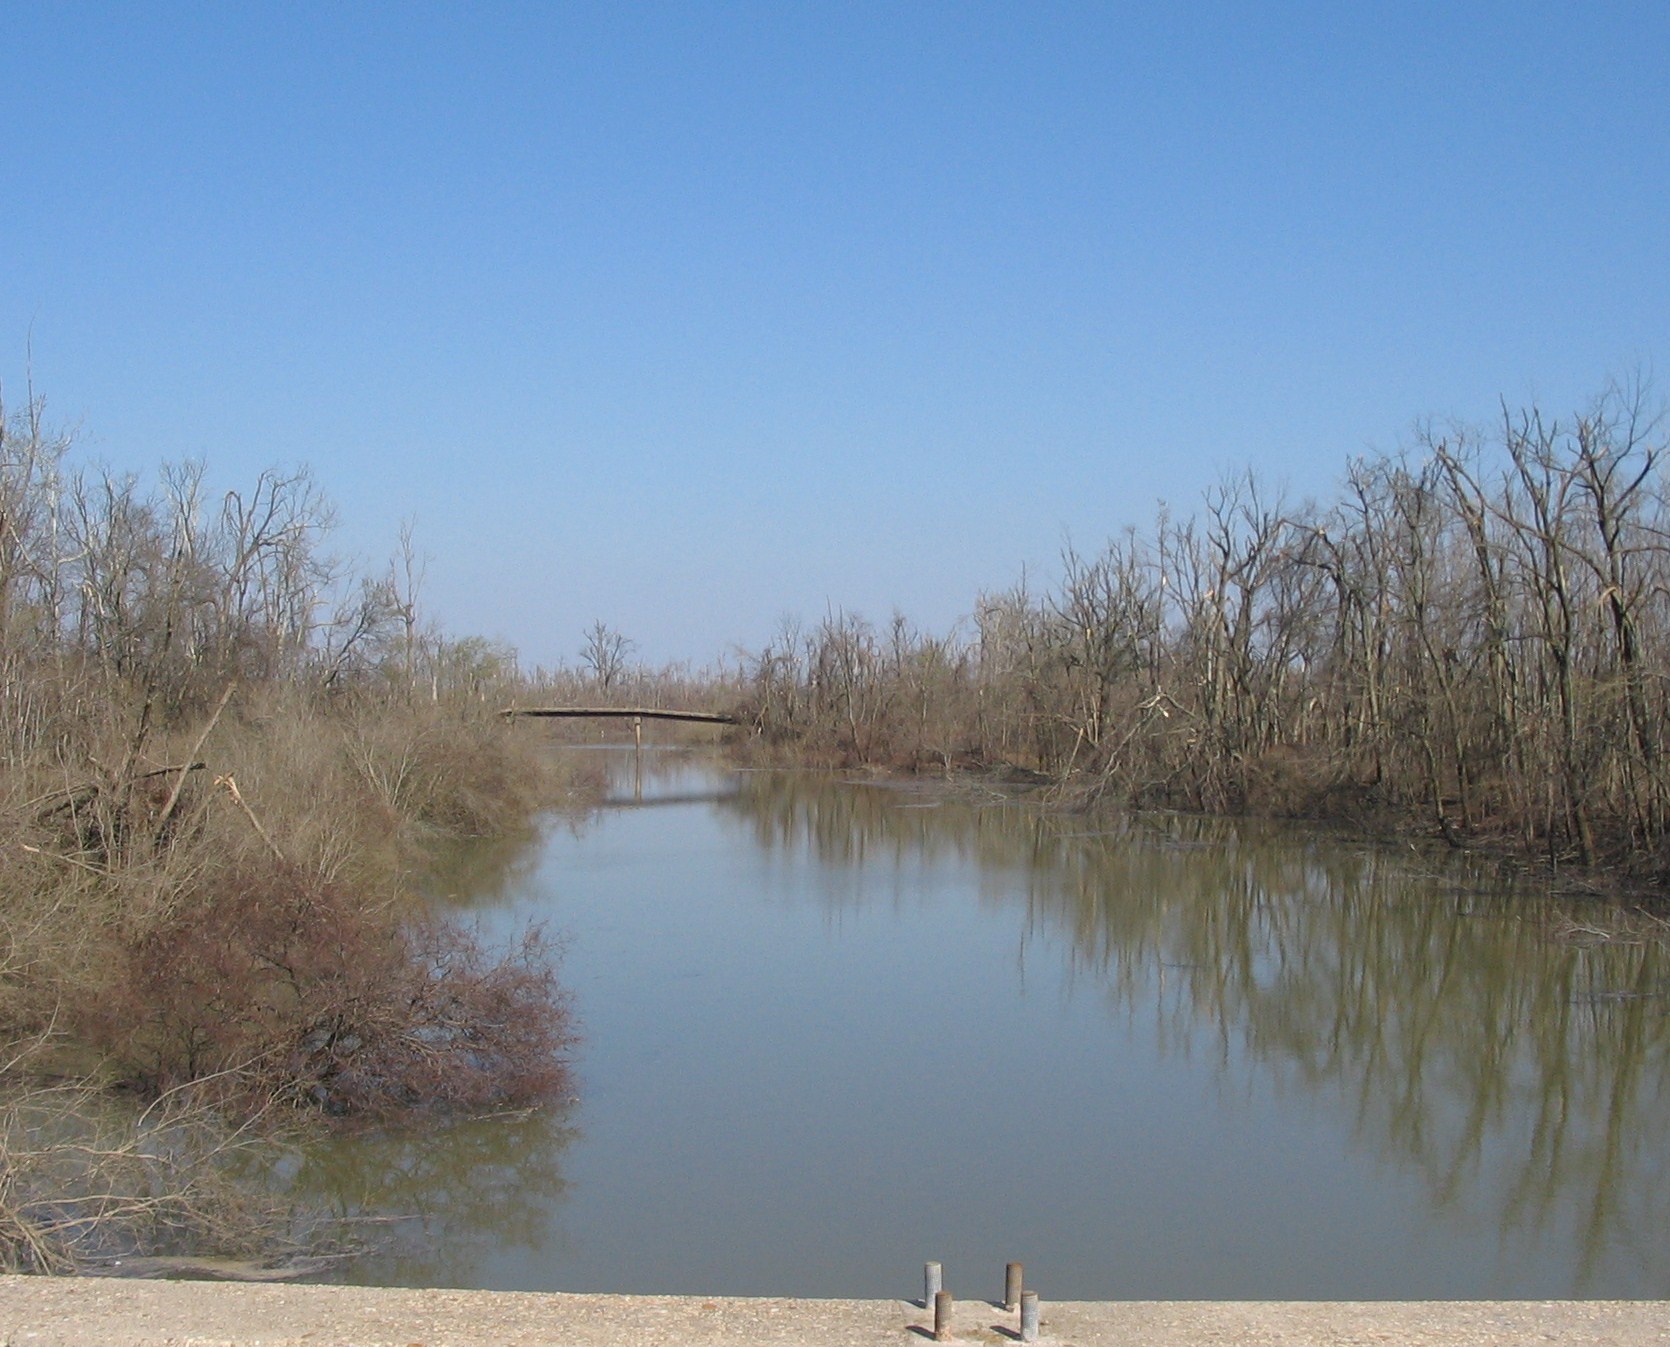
313 998
237 948
250 909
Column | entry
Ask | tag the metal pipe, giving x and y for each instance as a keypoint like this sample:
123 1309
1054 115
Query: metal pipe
942 1317
1029 1316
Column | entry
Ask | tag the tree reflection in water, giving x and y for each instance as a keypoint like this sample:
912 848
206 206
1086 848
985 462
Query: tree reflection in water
1517 1072
433 1205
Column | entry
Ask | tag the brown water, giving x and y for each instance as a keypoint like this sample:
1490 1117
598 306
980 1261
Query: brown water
834 1030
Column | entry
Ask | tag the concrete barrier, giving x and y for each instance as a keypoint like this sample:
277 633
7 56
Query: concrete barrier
95 1312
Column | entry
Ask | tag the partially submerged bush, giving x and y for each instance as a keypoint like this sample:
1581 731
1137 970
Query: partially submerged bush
316 999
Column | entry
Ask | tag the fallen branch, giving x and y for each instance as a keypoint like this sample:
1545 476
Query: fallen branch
70 796
67 860
238 799
218 1269
180 784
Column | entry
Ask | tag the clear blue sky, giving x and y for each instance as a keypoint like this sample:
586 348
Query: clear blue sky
689 316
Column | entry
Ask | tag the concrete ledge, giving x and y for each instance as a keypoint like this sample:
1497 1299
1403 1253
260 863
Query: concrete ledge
49 1312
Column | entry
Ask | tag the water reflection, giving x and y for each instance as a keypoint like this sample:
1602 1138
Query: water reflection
475 869
1264 1062
438 1207
1519 1075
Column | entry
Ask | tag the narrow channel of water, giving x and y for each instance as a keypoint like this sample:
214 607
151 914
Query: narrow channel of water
834 1030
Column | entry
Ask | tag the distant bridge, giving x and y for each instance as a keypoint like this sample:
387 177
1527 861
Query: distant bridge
637 713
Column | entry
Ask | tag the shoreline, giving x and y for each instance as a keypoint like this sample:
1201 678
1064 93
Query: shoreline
1602 882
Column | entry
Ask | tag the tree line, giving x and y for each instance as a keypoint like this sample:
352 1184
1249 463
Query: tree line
1474 633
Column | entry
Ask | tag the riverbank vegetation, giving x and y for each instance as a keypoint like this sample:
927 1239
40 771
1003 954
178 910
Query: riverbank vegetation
226 757
1471 638
223 757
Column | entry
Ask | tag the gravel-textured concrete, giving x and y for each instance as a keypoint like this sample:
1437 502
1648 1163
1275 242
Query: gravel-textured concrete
59 1312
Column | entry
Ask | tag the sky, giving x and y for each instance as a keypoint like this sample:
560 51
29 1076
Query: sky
692 317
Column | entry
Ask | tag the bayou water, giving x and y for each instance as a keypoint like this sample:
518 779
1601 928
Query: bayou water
833 1029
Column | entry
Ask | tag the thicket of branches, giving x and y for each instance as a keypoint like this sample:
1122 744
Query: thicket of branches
1475 633
221 753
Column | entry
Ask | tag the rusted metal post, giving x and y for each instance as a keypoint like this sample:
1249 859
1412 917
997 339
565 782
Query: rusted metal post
942 1317
1029 1316
933 1281
1011 1285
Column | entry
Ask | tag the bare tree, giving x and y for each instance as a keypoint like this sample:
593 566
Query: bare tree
604 654
406 574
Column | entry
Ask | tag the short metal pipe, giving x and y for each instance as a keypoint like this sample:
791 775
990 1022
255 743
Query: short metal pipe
1011 1285
1029 1316
932 1282
942 1317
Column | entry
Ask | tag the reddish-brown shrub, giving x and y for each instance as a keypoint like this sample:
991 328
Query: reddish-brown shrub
311 997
